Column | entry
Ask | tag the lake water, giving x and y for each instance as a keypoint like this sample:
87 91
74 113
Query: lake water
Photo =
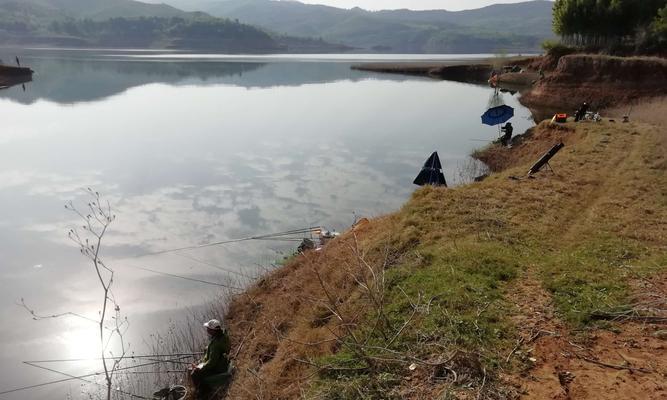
191 149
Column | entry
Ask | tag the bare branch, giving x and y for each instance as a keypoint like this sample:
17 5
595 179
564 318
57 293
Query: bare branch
38 317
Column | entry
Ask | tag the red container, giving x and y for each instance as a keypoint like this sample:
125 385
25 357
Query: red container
560 118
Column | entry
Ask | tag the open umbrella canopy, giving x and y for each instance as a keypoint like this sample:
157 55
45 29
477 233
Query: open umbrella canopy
497 115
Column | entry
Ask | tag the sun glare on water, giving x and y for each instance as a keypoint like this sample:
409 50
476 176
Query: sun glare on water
83 343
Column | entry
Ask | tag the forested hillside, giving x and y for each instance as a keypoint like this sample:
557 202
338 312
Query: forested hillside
127 23
276 26
518 27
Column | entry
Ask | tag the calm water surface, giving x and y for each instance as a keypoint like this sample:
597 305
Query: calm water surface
189 150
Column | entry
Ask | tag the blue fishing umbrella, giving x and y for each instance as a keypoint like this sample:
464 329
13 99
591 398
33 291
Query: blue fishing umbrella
497 115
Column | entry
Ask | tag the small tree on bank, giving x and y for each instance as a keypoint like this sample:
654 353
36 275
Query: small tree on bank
96 218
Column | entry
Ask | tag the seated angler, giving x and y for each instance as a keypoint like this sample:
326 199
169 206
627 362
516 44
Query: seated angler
215 361
581 112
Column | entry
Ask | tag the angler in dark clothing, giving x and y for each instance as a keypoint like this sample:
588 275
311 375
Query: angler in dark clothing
506 139
215 361
581 112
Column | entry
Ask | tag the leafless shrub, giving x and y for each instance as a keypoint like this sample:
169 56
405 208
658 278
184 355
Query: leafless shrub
469 170
359 324
96 218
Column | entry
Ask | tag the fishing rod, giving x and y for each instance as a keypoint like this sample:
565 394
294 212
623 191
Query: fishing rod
184 277
282 239
70 378
116 358
154 362
180 356
169 371
203 262
280 236
136 396
118 390
245 239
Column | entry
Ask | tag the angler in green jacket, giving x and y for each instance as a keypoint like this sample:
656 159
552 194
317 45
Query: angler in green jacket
216 359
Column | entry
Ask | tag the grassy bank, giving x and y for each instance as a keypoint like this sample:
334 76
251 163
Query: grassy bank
423 303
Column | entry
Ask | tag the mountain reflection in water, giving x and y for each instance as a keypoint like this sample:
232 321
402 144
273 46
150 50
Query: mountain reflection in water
78 79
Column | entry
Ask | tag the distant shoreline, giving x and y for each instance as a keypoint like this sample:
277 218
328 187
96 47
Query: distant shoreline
472 70
566 81
380 57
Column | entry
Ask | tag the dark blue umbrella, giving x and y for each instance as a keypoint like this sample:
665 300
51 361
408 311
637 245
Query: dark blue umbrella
497 115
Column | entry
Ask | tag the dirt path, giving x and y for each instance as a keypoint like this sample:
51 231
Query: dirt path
585 216
625 361
557 363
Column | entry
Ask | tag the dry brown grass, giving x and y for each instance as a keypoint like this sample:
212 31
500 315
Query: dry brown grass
650 111
282 321
609 188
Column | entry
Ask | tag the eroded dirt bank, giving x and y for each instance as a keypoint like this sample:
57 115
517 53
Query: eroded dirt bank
515 287
600 80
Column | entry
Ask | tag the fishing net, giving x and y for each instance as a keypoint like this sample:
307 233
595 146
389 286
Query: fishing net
496 99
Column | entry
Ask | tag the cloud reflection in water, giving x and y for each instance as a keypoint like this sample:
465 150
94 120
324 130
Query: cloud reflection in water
187 160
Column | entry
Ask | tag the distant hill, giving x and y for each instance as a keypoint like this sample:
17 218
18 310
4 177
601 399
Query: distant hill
527 18
273 26
128 23
88 9
518 27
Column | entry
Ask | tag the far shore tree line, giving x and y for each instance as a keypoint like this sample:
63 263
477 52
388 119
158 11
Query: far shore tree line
617 26
152 27
147 31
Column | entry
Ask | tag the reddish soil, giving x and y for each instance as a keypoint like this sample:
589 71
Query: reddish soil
599 80
625 362
517 79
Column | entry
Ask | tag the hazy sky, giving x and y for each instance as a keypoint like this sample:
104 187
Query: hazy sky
412 4
376 4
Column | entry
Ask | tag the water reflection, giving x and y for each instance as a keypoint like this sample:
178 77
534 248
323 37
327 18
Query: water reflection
72 79
6 82
191 152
